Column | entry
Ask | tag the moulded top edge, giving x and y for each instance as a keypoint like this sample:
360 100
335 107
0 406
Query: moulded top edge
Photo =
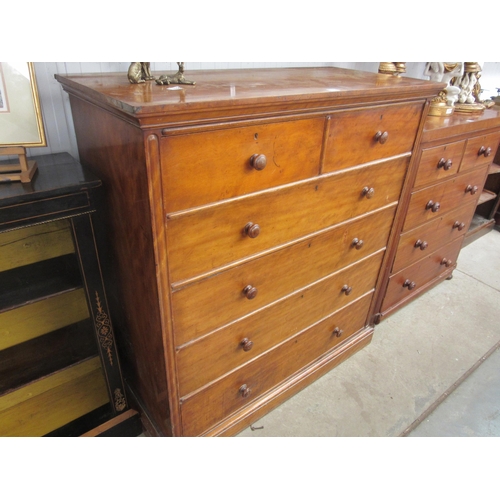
227 88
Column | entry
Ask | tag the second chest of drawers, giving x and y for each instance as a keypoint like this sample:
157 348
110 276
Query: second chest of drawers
453 162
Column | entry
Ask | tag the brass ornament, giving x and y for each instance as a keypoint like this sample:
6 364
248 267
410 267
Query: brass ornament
392 68
177 78
103 325
139 72
120 401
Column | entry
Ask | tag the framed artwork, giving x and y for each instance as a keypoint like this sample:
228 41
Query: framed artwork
20 114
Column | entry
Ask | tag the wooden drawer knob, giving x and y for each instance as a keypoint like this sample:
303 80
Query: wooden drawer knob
368 192
245 391
458 225
346 289
421 244
338 332
247 344
409 284
446 262
471 189
357 243
381 137
251 230
445 164
250 292
484 151
258 162
433 206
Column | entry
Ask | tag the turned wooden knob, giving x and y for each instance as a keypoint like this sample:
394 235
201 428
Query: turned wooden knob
484 151
446 262
247 344
433 206
250 292
381 137
245 391
258 162
357 243
337 332
458 225
346 289
445 164
471 189
409 284
368 192
251 230
421 244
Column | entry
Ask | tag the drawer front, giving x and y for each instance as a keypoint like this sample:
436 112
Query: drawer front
219 400
220 298
271 324
410 280
480 151
352 137
430 203
422 241
203 240
206 167
439 163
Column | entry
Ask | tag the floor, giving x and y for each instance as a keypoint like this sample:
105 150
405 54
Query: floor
430 370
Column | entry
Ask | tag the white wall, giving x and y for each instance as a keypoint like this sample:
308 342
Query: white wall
57 113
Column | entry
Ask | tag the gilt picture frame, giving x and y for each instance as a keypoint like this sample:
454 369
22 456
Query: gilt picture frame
21 121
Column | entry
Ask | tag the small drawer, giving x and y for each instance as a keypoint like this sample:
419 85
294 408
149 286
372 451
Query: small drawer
361 136
220 298
406 283
430 203
206 167
203 240
438 163
422 241
480 151
205 408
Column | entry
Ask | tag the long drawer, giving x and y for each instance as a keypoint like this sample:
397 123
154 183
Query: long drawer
238 291
365 135
272 324
420 242
231 393
430 203
206 167
410 280
206 239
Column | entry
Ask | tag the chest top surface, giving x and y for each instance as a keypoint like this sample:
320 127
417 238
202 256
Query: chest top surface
219 91
437 127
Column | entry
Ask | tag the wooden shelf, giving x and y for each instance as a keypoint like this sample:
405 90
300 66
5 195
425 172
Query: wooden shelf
29 283
486 196
29 361
494 169
478 227
53 401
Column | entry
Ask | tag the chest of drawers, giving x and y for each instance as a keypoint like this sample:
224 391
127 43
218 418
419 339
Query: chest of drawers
454 159
248 220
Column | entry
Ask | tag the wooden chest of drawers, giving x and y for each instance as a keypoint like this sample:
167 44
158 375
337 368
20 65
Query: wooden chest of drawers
249 218
454 158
